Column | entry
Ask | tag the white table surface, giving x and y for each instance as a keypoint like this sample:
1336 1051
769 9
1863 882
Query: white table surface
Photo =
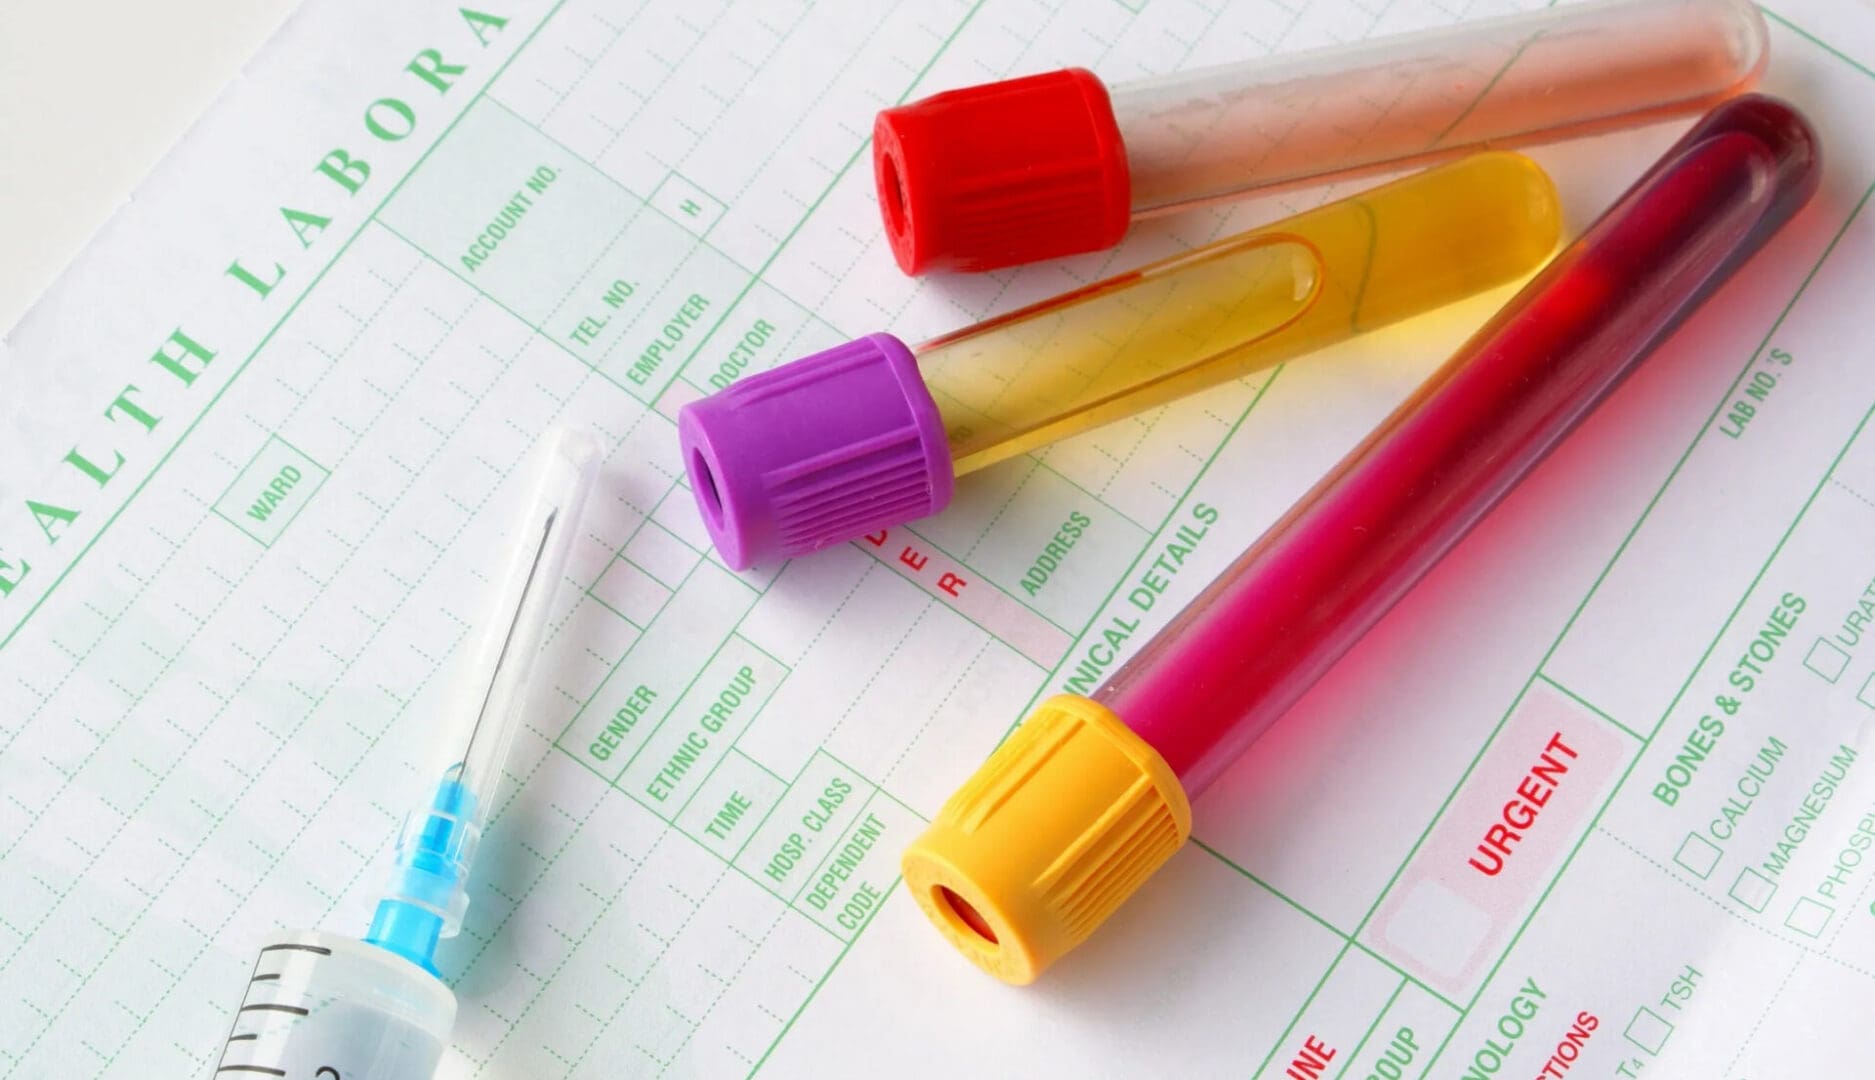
92 94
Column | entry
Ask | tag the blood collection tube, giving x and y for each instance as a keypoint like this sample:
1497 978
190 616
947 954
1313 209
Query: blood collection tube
1055 164
870 434
1089 796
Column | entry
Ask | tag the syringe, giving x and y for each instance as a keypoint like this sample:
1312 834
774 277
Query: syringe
324 1006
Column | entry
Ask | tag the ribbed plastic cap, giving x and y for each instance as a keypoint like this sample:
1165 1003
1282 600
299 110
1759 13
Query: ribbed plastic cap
815 452
1002 174
1064 822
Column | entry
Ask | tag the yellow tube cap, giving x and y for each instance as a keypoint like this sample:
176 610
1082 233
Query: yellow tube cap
1063 822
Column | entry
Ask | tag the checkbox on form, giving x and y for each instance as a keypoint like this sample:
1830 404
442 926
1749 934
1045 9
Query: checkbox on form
1697 856
1866 695
1648 1030
1753 889
1809 917
1826 659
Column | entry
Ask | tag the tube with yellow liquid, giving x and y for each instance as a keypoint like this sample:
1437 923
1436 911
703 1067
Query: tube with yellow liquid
872 433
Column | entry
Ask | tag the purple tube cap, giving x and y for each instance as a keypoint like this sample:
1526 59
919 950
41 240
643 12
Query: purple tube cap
822 450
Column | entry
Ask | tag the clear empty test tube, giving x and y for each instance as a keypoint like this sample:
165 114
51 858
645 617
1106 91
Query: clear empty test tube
1089 796
836 445
1056 164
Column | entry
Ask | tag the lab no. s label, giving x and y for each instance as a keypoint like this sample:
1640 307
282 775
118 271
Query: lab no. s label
1754 391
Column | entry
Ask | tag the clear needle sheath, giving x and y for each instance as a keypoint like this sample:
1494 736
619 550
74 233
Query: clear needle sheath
428 893
321 1004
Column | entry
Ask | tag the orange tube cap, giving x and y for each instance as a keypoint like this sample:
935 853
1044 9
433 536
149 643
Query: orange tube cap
1063 822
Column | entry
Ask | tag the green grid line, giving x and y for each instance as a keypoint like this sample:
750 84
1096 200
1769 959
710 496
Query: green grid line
1355 1054
1324 924
1614 792
1580 700
735 743
1152 543
311 286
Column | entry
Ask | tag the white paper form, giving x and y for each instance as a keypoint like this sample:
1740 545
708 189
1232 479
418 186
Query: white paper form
212 702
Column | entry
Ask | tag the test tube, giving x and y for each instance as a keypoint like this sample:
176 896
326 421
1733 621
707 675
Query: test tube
1088 797
1059 163
870 434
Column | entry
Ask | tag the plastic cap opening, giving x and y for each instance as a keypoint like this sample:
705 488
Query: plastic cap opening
1065 820
967 915
816 452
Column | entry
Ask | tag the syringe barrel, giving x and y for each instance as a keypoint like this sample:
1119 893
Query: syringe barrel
325 1005
1060 163
1088 797
871 434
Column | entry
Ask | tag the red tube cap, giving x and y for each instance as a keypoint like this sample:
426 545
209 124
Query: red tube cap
1002 174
